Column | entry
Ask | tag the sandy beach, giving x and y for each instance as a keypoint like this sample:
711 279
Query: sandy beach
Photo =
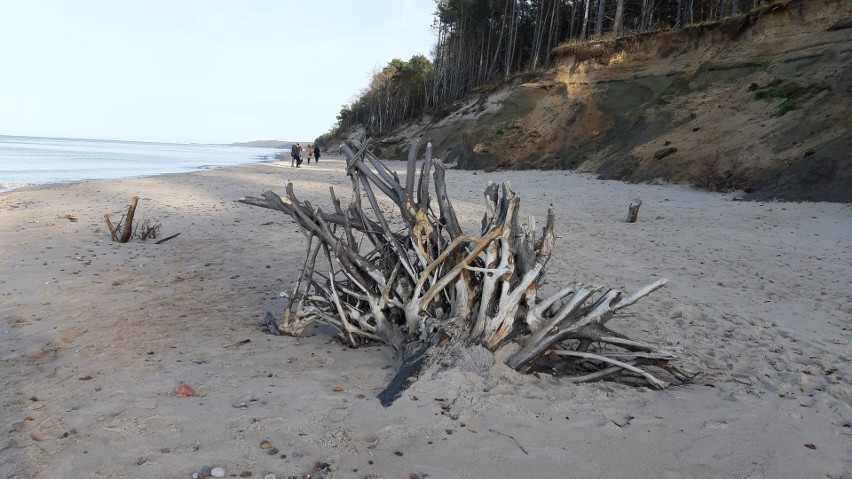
96 336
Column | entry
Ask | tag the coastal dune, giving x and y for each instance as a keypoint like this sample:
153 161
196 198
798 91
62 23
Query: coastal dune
97 336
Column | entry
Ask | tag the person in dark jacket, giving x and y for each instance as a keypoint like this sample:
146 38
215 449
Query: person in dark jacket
296 151
316 153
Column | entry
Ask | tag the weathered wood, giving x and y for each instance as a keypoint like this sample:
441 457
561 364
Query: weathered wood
112 230
127 232
633 210
406 287
167 238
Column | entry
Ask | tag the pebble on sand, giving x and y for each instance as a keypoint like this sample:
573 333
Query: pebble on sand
185 390
217 472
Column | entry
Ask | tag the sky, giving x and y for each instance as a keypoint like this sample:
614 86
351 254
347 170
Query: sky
196 71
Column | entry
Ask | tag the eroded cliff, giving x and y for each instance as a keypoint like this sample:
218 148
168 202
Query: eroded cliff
761 106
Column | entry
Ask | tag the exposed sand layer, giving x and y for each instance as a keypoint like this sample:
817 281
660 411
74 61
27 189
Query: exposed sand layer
96 336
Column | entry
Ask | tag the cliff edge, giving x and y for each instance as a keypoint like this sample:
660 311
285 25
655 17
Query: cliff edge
759 104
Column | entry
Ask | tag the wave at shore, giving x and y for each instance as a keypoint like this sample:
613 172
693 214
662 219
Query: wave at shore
26 161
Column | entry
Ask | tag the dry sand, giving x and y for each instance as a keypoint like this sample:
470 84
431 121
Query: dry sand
96 336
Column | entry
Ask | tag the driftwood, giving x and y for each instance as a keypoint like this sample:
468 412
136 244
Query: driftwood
128 223
144 229
112 231
633 210
167 238
394 266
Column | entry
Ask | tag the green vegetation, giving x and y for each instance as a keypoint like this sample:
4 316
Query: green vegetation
482 44
792 93
506 127
735 24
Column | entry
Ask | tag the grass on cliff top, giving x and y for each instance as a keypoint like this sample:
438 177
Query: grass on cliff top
732 25
585 50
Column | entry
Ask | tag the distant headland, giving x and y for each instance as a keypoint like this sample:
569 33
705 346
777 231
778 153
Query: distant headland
266 144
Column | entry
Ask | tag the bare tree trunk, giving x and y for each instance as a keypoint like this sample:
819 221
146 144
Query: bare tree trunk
600 17
618 23
643 22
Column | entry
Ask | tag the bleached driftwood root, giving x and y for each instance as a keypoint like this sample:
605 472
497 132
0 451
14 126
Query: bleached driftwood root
413 279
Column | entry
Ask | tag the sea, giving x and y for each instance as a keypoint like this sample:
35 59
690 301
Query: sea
28 161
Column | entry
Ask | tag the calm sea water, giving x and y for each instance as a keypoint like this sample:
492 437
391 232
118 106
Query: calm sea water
33 161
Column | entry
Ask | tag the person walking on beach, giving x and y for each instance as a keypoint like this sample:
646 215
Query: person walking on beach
296 151
316 154
309 151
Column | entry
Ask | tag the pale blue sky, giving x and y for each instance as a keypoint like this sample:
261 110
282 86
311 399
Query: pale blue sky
195 71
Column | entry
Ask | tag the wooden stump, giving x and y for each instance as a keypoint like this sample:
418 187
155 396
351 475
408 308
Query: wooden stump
633 210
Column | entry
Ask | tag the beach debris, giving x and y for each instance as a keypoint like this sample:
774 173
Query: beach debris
144 229
395 267
185 390
69 217
512 438
238 343
147 228
167 238
125 225
633 210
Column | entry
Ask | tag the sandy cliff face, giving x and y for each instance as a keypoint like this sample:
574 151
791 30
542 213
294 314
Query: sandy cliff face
765 108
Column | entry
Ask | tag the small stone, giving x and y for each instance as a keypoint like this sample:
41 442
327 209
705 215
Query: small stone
398 453
141 460
273 451
270 476
217 472
245 474
239 405
185 390
265 444
205 470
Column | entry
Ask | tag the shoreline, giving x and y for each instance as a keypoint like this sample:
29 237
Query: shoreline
34 161
83 180
97 336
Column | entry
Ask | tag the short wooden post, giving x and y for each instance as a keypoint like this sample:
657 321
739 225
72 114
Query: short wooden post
633 212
